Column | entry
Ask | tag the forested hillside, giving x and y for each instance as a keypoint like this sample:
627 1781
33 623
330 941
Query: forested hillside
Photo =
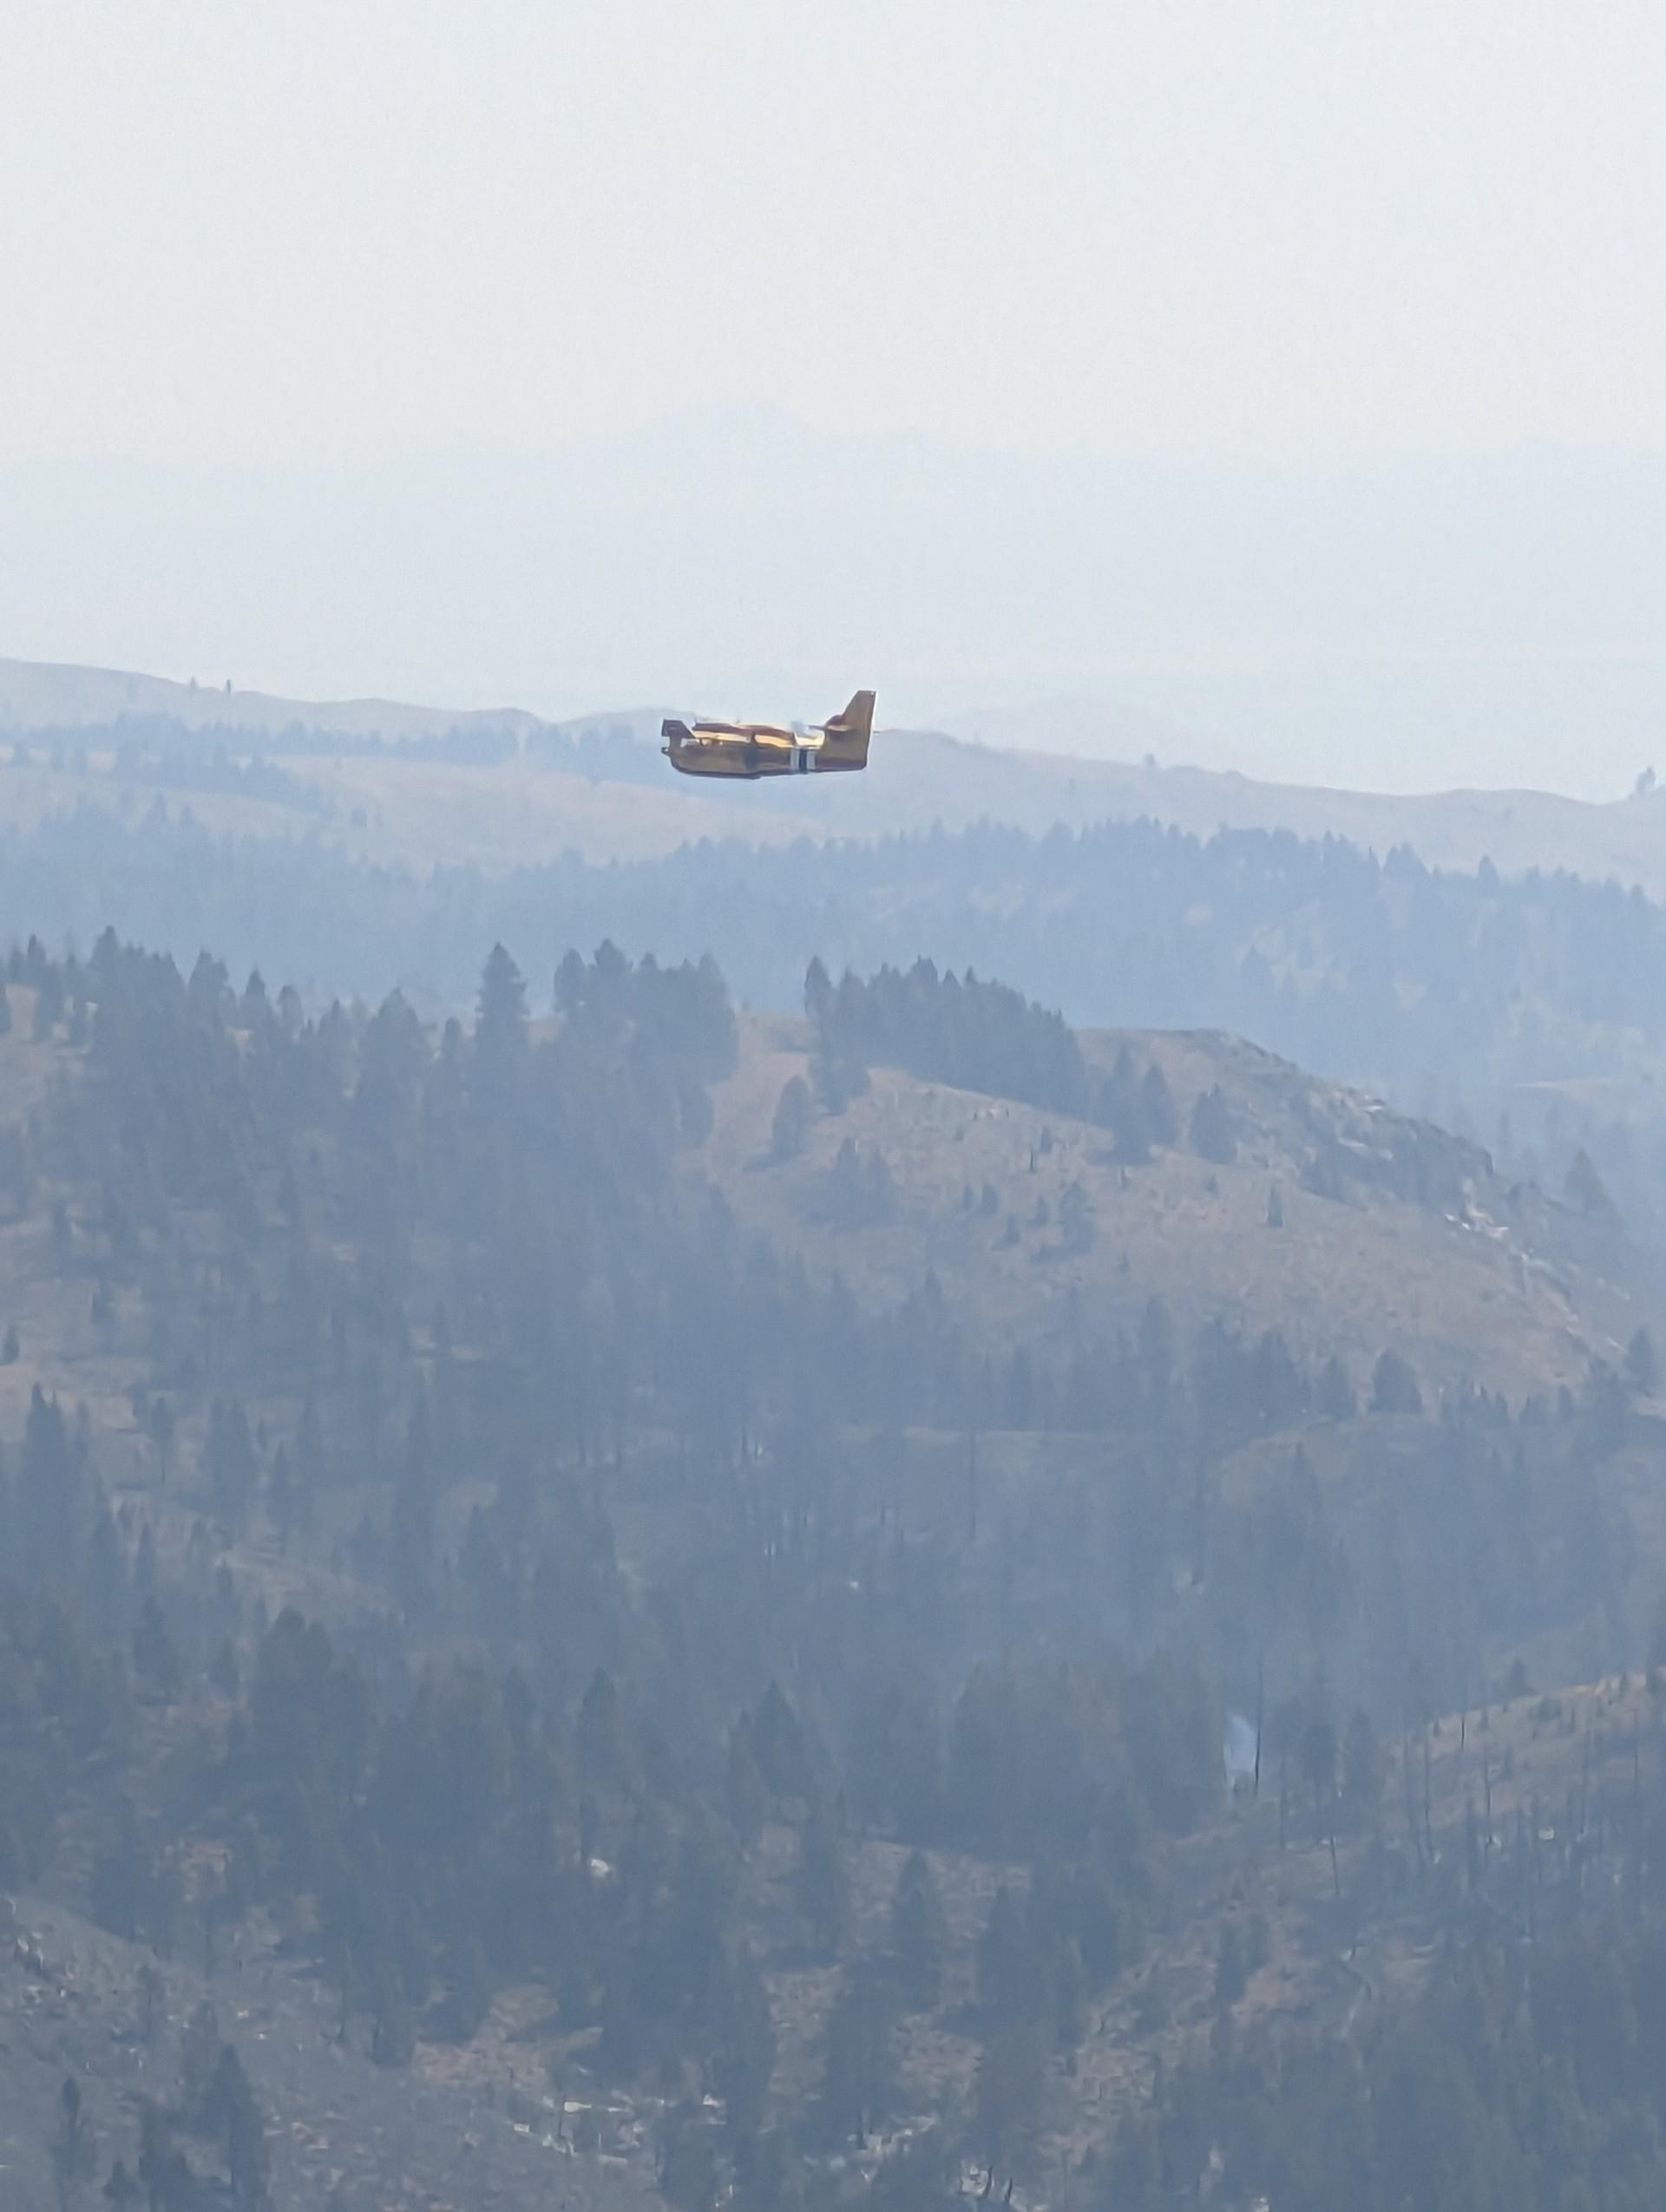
1528 1013
935 1490
509 1527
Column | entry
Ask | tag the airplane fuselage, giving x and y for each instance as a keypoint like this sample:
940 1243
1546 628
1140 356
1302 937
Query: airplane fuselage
749 750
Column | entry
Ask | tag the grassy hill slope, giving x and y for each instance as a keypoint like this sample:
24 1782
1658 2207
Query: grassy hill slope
1419 1248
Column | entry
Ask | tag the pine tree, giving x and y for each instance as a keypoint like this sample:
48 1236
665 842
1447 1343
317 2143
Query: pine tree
1361 1764
393 2024
236 2120
413 1510
499 1042
919 1933
744 2051
1210 1131
469 1992
51 1482
74 2150
1009 2094
745 1793
1007 1982
821 1878
1161 1123
200 2050
605 1763
1068 1979
688 2159
1319 1758
164 2172
791 1123
121 2188
120 1884
1231 1974
778 1744
818 993
281 1499
230 1464
1334 1397
1586 1190
1076 1219
152 1993
106 1578
159 1426
859 2072
1641 1364
155 1656
1393 1386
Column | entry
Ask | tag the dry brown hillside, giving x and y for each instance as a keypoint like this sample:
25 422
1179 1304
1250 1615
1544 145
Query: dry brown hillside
1418 1247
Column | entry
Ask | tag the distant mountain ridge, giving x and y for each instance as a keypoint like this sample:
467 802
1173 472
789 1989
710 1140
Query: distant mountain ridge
1492 617
920 777
45 695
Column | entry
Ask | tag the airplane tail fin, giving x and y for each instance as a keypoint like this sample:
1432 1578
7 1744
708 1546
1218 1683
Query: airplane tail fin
848 733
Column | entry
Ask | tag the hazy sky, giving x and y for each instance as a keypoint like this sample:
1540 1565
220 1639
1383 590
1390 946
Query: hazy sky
248 244
1280 228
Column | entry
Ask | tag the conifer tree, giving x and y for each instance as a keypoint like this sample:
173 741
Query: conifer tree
499 1040
858 2075
822 1877
919 1933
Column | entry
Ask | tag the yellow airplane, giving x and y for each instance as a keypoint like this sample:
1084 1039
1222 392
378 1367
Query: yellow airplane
755 749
